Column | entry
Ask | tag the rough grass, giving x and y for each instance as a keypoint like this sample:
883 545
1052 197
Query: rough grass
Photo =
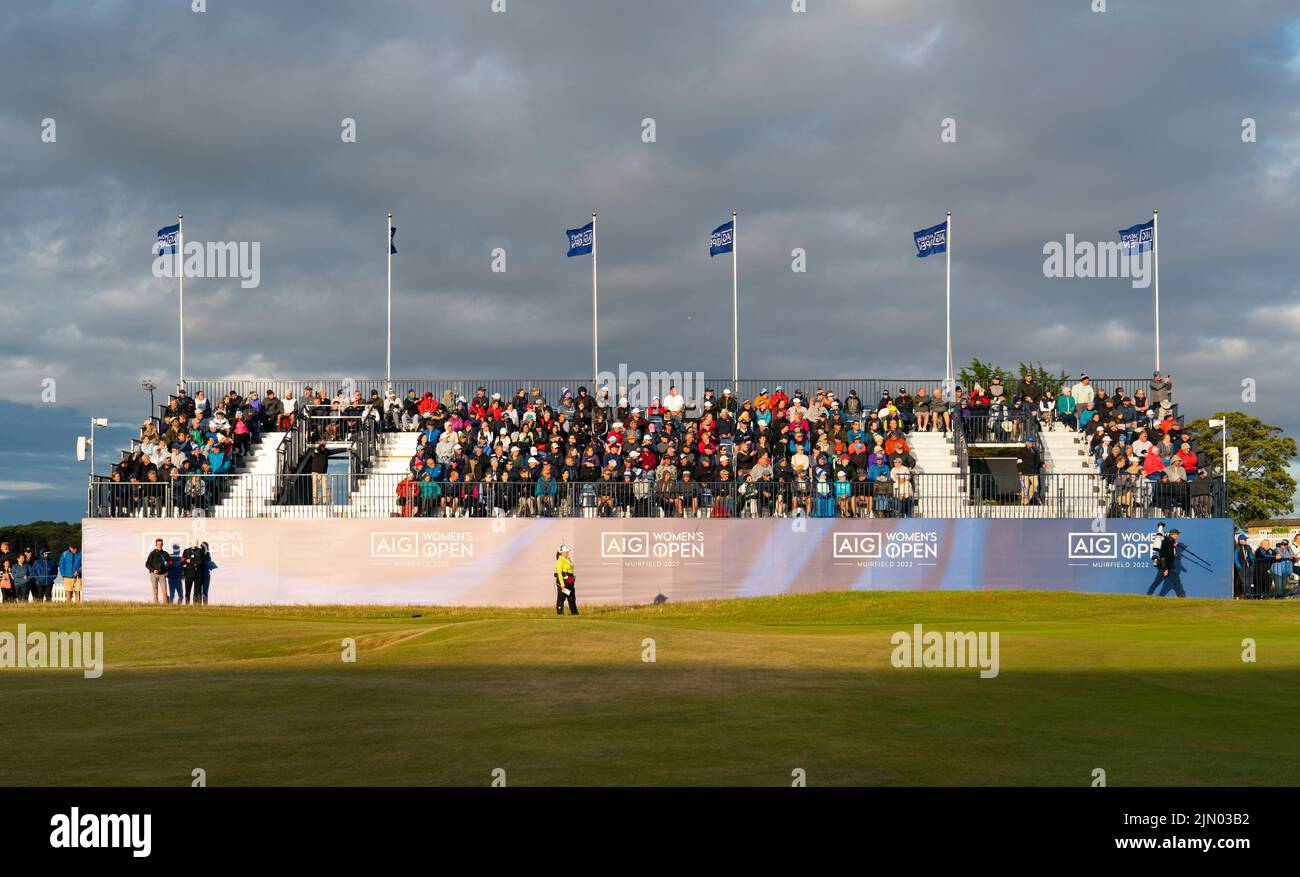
741 693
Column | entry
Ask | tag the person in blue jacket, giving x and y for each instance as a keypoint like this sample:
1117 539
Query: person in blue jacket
43 572
70 569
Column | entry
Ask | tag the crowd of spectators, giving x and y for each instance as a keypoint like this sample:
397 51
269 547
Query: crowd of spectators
180 453
779 454
1267 569
28 574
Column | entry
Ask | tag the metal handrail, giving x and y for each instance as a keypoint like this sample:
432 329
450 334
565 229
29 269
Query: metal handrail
936 495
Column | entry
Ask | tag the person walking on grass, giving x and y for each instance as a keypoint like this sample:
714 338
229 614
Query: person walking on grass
564 582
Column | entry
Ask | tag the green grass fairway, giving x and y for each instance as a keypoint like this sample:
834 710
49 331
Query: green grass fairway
742 693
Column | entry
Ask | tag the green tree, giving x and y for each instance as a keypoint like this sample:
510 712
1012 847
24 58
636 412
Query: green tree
983 373
55 535
1262 488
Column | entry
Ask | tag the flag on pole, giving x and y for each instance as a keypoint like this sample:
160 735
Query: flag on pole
392 233
167 238
1137 238
580 239
723 239
930 241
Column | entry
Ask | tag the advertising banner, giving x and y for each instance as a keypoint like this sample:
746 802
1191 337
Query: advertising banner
631 561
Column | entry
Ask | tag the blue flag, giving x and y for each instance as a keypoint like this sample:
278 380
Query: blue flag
931 240
723 239
1137 238
167 239
392 233
580 239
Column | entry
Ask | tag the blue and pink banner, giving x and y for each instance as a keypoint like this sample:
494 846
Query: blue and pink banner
510 561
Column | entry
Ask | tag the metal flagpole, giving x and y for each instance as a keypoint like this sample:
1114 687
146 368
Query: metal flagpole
735 313
947 373
388 357
1155 256
595 332
180 273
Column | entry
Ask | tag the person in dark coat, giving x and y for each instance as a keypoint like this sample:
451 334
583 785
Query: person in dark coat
1265 556
43 572
1243 568
1171 555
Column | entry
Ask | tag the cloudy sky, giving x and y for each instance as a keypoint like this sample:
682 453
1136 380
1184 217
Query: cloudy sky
482 130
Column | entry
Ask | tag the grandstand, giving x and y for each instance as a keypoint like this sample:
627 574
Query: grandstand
838 448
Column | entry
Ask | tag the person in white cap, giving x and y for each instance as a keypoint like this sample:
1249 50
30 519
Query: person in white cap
564 582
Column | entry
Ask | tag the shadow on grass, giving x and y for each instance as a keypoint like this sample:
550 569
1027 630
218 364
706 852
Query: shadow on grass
647 724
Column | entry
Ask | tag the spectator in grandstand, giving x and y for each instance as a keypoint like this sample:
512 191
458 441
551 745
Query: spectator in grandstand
1162 389
1029 464
70 570
1083 394
157 564
318 465
44 569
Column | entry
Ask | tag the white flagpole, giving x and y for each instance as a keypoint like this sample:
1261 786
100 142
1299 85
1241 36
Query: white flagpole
947 373
1155 257
388 357
180 264
595 310
735 313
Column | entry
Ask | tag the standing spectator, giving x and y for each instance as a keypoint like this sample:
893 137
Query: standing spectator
6 582
70 570
1243 562
1264 557
193 560
43 572
157 563
1162 390
1083 395
1281 570
319 466
208 566
21 573
175 576
1029 465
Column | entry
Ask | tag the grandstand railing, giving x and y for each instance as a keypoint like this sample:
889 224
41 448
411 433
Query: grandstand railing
941 495
869 390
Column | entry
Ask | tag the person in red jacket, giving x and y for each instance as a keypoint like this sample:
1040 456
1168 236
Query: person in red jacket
1187 457
428 405
1153 465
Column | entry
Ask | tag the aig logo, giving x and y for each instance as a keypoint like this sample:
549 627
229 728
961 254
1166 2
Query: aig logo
1094 546
857 546
618 546
393 544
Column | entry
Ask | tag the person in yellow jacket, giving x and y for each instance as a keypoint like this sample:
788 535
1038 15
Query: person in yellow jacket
564 583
